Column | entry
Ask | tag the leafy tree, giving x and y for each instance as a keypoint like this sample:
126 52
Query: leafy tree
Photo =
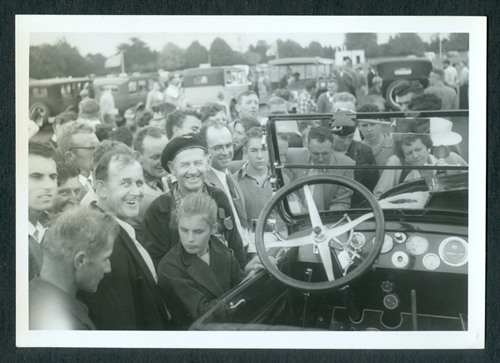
261 48
314 49
458 42
96 64
365 41
58 60
221 53
404 44
171 57
195 55
290 48
138 56
252 57
329 52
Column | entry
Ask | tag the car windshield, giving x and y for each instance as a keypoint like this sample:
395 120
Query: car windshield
408 162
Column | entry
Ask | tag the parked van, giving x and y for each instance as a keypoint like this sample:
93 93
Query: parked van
126 90
215 84
56 95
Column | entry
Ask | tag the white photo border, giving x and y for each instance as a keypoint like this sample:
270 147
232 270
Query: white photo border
288 26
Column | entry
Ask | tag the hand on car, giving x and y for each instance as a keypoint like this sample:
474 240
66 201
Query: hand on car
255 264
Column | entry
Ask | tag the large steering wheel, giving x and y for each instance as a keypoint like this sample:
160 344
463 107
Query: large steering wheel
320 235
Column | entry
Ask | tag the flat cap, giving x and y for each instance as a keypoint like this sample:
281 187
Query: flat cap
179 144
343 125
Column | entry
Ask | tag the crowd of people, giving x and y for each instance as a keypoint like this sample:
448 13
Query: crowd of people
144 226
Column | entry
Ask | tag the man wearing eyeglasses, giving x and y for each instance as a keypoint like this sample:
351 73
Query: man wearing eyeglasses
76 143
220 149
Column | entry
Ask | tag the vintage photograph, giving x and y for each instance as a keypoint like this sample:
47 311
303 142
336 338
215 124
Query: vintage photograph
250 182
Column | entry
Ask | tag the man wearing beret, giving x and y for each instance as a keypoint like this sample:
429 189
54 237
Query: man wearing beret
343 129
186 157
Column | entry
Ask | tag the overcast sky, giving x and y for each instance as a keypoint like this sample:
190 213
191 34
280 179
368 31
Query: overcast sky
106 43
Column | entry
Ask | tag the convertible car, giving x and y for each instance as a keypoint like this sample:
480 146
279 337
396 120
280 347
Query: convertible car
399 263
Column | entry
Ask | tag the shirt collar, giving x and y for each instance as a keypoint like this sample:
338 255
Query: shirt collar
32 229
127 227
243 172
219 173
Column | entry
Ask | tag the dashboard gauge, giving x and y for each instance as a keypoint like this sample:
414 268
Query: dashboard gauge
454 251
431 261
358 240
388 244
400 259
417 245
391 301
400 237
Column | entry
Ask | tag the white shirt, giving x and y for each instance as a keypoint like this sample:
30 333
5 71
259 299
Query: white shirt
450 76
243 232
145 255
32 231
87 183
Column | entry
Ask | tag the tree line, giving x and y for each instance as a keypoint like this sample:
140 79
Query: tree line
63 60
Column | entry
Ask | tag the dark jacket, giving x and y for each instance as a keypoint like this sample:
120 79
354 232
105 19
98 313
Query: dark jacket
190 286
159 236
35 252
128 298
362 155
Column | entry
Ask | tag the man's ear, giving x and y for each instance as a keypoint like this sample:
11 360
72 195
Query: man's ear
137 157
100 188
238 108
81 260
209 159
69 156
245 150
175 130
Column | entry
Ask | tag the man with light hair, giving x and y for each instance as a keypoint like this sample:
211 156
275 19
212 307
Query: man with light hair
77 250
76 143
90 112
344 101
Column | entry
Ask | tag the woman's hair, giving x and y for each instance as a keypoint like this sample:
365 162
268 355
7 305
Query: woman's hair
408 140
196 204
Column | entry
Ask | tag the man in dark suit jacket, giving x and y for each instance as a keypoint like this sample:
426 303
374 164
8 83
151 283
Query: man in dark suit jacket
320 152
128 298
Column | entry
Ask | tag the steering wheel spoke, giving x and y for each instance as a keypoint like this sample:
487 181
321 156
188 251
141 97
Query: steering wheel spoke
326 258
340 230
295 242
313 209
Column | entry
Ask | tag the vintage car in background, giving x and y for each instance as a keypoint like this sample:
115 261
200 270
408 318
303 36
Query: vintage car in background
305 69
215 84
395 71
127 90
400 263
56 95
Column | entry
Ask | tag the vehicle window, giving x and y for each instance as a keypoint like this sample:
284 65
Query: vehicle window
132 86
66 90
142 85
199 80
39 92
112 87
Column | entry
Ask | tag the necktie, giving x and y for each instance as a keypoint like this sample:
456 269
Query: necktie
35 234
236 201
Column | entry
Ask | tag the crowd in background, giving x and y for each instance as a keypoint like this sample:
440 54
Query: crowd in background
143 223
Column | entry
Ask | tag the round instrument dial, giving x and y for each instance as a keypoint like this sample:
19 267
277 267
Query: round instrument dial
454 251
400 259
358 240
417 245
431 261
388 243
